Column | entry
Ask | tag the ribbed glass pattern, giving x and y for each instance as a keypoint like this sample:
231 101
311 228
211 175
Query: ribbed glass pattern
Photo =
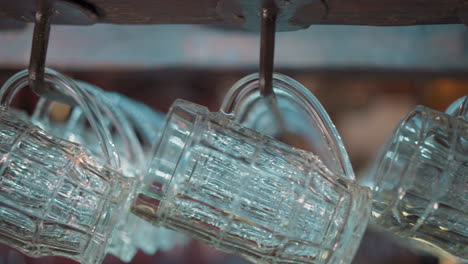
421 188
55 200
249 194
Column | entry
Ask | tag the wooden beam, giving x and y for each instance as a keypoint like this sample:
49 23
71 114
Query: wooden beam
348 12
393 12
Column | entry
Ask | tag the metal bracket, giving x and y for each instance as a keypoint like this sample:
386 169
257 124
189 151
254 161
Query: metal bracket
247 12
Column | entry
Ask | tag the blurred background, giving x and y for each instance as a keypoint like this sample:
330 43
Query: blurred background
367 78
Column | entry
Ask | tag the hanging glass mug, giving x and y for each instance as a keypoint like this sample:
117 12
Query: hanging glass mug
246 193
57 199
420 181
130 151
123 118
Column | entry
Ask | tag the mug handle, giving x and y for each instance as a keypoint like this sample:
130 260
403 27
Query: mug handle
116 118
67 86
459 108
120 121
247 90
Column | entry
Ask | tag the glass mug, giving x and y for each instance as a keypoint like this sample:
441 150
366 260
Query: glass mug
122 118
57 199
246 193
420 181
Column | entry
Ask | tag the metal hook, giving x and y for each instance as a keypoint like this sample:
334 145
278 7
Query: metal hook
267 49
39 46
43 17
267 58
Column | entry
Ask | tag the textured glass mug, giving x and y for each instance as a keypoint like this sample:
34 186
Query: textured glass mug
420 181
56 199
246 193
121 118
125 118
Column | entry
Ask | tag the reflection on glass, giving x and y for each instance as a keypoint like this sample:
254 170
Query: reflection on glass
421 181
249 194
56 200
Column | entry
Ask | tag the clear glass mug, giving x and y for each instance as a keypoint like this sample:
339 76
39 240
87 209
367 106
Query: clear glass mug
129 149
57 199
249 194
123 119
420 181
126 237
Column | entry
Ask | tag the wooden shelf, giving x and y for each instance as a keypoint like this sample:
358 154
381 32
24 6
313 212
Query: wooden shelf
342 12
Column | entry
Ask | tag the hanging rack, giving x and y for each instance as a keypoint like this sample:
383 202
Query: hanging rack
333 12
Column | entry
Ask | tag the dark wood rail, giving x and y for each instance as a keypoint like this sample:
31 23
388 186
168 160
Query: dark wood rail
346 12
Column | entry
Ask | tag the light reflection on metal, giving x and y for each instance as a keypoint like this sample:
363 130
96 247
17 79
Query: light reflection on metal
267 50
